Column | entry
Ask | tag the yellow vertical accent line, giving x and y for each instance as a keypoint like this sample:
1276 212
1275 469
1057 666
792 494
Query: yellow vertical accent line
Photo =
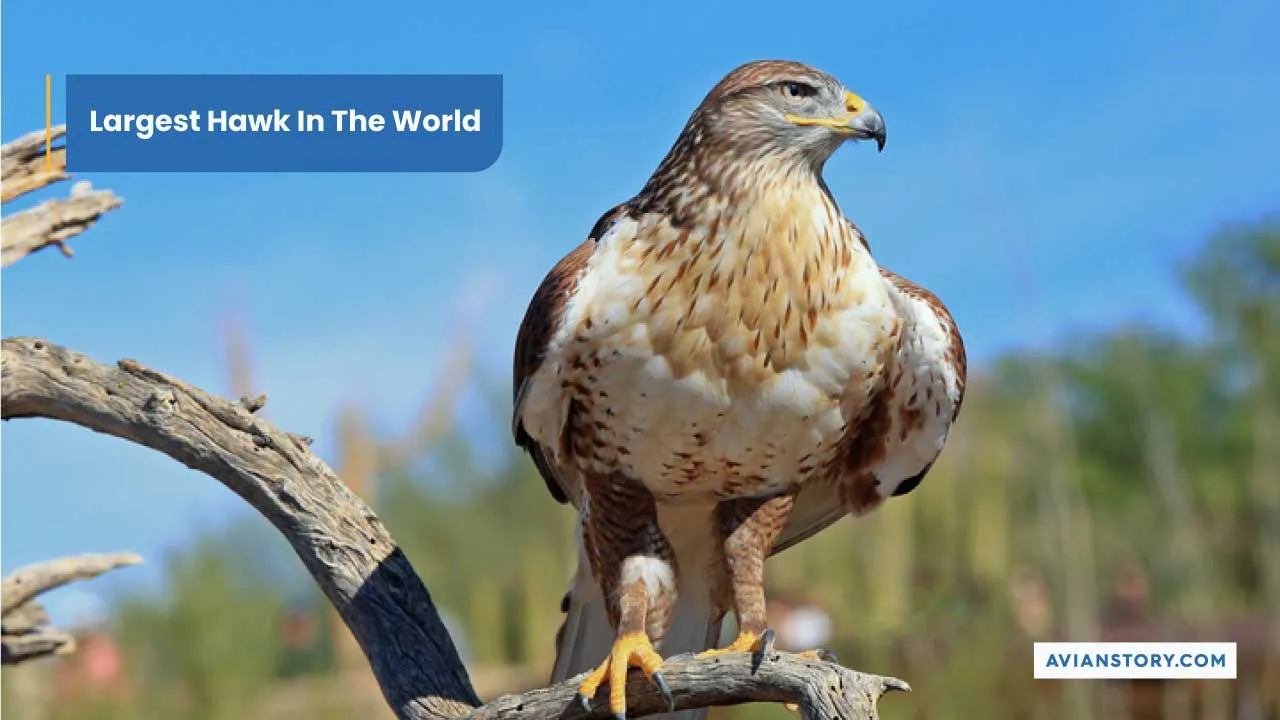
48 122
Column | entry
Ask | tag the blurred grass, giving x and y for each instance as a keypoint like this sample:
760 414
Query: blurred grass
1130 459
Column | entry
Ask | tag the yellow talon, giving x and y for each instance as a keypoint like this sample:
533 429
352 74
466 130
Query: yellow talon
629 650
745 642
820 655
763 644
592 683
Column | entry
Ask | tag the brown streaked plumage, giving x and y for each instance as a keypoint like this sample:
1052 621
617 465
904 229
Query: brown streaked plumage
721 370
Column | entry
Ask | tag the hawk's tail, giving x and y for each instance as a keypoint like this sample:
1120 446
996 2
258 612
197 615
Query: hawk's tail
585 637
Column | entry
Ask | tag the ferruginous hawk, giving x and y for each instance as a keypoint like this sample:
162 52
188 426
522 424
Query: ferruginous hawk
722 370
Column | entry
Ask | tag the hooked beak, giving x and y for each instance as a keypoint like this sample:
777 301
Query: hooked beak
864 122
860 121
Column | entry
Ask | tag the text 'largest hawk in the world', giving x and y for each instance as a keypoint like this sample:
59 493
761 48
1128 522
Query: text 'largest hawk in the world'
722 370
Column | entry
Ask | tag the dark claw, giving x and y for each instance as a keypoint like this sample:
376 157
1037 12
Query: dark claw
584 702
829 656
766 647
766 641
665 689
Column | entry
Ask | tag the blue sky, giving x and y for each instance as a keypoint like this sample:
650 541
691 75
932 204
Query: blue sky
1047 165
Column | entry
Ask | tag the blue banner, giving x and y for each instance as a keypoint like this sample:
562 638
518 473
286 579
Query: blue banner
283 123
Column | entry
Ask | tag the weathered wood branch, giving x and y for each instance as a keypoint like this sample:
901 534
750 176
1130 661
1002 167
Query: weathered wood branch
24 625
823 691
38 643
53 221
25 583
342 543
22 163
24 618
354 559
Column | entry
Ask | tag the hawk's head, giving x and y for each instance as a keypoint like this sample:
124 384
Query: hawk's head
787 108
757 126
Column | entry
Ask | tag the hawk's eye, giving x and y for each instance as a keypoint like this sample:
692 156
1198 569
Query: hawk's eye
797 91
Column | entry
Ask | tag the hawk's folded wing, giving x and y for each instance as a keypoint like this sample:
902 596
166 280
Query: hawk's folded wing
931 356
542 320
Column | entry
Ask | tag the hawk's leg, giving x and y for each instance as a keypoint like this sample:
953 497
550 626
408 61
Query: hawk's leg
635 567
748 528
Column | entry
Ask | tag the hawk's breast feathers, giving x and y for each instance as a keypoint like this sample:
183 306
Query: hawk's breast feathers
730 357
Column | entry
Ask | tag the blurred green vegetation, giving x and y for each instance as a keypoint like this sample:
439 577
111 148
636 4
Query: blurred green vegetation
1131 456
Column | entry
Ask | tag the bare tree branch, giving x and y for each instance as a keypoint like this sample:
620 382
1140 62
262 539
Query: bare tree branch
53 221
24 630
24 618
354 559
25 583
342 543
22 163
823 691
15 649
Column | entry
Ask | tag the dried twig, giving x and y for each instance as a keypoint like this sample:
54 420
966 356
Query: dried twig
42 642
53 221
24 630
354 559
22 163
25 583
24 618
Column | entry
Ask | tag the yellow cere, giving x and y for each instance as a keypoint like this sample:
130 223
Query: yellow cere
853 105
